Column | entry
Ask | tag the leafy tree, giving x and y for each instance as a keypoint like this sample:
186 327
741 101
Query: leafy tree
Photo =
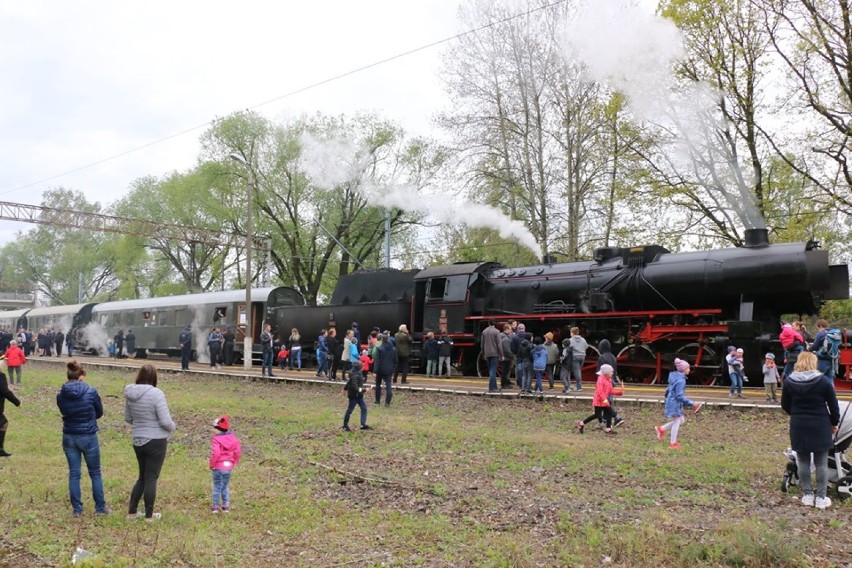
184 200
722 182
314 223
812 38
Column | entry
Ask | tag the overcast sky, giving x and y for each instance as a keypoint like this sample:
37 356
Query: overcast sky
86 80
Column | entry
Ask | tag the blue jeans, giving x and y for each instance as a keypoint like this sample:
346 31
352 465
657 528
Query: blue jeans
824 367
386 380
492 373
78 447
267 362
803 465
221 482
431 367
577 368
322 362
352 404
736 383
524 375
539 374
296 358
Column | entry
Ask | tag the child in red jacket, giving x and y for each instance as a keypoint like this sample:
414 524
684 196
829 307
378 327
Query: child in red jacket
15 358
225 453
283 356
603 389
366 361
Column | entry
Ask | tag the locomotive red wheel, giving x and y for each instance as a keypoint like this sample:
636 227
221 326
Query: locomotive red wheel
704 369
482 367
637 364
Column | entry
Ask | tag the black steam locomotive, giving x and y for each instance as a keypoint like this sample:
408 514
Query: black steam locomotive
652 305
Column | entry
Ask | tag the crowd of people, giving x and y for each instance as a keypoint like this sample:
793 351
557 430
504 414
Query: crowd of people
46 342
807 396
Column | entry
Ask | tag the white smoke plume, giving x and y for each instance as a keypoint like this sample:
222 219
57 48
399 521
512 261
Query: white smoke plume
634 51
94 336
201 327
332 162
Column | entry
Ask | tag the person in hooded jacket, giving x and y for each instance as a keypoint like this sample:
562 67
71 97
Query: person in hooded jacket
225 454
539 363
600 401
146 410
445 354
384 364
80 405
607 358
675 401
552 358
355 389
808 397
15 359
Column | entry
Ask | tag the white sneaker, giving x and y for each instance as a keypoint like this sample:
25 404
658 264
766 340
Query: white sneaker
822 503
808 500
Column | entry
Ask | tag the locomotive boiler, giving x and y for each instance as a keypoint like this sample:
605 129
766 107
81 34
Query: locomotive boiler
652 305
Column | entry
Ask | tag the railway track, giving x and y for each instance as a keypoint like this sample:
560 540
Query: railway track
753 396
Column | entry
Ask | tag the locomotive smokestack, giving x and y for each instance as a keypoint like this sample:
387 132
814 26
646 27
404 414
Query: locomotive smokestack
548 259
756 238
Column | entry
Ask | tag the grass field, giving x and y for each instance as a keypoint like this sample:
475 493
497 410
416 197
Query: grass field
441 481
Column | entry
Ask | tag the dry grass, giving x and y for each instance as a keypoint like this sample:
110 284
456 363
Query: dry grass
441 481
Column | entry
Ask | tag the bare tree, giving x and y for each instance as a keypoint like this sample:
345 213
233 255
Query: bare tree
814 40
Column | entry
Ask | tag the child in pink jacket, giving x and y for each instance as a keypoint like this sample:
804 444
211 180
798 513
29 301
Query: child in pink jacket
225 453
603 389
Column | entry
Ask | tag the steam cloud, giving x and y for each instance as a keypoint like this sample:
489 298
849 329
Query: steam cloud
94 336
332 162
634 51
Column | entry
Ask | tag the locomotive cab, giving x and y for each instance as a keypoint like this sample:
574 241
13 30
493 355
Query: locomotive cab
446 295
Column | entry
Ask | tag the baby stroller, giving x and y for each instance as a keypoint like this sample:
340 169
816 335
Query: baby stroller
839 469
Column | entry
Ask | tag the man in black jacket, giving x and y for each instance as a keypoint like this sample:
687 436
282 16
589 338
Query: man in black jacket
384 364
333 353
5 394
228 347
355 389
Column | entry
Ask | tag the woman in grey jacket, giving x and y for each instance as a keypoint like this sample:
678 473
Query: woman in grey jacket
146 410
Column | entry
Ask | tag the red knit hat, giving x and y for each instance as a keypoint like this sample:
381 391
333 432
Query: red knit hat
222 423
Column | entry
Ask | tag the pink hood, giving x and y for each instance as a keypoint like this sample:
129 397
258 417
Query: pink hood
225 451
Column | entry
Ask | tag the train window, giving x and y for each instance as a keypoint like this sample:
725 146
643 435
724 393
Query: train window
219 314
117 319
146 315
437 288
130 318
164 318
106 320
